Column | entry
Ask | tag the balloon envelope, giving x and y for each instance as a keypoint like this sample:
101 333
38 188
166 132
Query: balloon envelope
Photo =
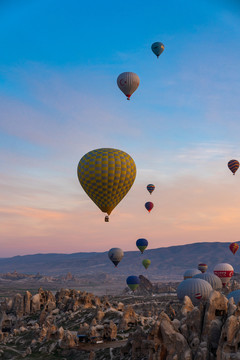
106 175
150 188
233 165
212 279
133 282
202 267
196 289
128 82
234 248
224 271
142 244
190 273
149 206
146 263
236 296
157 48
115 255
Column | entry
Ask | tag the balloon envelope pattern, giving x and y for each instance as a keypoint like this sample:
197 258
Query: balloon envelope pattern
234 248
115 255
150 188
106 175
224 271
202 267
133 282
190 273
212 279
146 263
128 82
236 296
142 244
149 206
233 165
157 48
196 289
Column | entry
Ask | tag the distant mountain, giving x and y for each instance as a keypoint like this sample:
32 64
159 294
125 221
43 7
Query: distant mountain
166 262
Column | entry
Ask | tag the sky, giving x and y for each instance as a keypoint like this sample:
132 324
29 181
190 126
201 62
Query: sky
59 62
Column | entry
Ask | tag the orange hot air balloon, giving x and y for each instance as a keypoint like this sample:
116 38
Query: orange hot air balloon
234 248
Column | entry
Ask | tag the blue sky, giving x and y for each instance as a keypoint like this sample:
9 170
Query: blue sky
59 99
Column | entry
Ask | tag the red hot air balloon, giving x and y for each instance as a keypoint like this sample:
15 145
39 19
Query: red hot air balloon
149 206
234 248
233 165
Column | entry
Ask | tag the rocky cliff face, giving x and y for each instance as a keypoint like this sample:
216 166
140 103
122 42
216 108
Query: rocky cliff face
210 331
47 326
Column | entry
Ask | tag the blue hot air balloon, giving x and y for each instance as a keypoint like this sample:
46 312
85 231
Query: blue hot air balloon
133 282
157 48
236 296
142 244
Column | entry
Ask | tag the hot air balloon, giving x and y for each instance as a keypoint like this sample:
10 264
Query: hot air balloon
202 267
233 166
235 295
142 244
149 206
106 175
190 273
133 282
224 271
157 48
150 188
128 82
115 255
197 289
146 263
212 279
234 248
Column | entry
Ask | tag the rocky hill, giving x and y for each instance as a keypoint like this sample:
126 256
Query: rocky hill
80 326
168 262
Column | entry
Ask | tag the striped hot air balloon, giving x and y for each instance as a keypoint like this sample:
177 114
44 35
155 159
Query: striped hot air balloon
224 271
197 289
202 267
233 165
128 82
234 248
212 279
150 188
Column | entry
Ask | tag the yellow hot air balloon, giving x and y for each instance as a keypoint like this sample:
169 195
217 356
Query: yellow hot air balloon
106 175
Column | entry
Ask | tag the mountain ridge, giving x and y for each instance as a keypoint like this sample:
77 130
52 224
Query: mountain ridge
165 260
